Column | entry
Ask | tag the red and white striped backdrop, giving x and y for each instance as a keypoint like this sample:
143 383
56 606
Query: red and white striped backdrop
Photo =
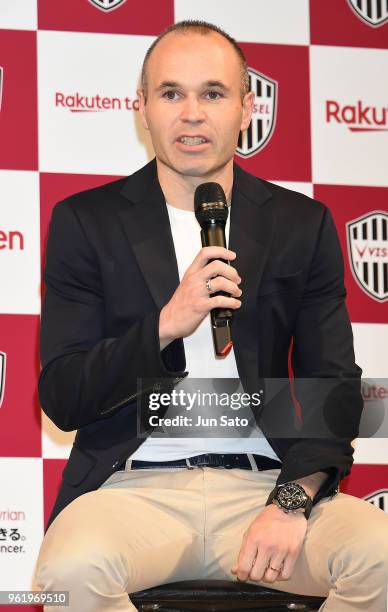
68 121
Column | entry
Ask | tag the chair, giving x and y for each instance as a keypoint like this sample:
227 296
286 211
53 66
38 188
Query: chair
220 595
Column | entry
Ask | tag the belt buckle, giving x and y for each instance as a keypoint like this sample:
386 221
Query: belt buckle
205 460
201 460
217 461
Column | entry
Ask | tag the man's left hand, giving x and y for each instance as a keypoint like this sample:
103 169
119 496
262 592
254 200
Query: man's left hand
274 539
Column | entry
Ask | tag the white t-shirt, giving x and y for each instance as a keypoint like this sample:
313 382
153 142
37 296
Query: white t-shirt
200 363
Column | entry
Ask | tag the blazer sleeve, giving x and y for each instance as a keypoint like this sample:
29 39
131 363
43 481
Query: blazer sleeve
85 375
323 352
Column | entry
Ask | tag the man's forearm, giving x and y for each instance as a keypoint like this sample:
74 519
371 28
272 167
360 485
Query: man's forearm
312 483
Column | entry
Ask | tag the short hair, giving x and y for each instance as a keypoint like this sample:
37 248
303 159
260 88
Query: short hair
203 28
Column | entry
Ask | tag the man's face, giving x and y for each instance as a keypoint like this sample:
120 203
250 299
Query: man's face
194 110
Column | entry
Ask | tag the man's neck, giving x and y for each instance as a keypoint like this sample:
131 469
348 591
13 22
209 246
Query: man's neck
179 189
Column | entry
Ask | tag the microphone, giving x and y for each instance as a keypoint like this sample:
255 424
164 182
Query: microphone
211 211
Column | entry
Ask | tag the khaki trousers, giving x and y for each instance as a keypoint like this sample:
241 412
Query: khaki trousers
149 527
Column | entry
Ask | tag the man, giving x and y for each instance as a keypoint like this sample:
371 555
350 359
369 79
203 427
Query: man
129 291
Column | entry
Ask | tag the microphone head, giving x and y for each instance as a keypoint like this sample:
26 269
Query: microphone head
210 204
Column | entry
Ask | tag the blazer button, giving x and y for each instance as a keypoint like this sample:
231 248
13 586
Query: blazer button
115 464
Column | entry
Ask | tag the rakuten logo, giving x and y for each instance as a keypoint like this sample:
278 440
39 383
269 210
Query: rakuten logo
11 241
77 103
373 392
358 118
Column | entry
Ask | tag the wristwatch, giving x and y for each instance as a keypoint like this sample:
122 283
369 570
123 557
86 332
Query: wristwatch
291 498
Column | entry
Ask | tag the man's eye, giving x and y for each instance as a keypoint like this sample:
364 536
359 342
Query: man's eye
170 94
214 95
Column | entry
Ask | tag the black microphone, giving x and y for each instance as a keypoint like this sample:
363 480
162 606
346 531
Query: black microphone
211 211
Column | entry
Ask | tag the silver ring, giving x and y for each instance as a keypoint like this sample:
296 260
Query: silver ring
209 286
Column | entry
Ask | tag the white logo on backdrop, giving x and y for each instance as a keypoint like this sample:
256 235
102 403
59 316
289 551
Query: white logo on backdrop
3 359
372 12
368 253
107 5
379 499
261 128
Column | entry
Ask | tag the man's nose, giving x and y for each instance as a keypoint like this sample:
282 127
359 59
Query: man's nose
192 110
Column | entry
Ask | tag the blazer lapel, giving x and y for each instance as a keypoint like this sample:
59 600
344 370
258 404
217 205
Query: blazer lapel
146 223
250 236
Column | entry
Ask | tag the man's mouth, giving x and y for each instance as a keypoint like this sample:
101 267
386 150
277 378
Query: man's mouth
192 140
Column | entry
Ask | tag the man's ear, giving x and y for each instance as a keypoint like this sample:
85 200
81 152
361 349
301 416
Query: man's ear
142 108
248 103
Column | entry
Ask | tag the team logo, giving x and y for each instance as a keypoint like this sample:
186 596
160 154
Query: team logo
368 253
107 5
372 12
1 84
379 499
261 128
2 376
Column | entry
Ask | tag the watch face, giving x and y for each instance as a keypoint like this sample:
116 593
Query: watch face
291 497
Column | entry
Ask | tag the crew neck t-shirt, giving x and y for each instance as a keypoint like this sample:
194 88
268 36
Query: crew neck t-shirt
201 362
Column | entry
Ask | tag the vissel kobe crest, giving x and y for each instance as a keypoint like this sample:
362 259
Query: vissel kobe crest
372 12
368 253
2 376
379 499
107 5
263 121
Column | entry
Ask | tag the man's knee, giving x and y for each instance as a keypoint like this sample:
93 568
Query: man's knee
85 557
56 572
89 573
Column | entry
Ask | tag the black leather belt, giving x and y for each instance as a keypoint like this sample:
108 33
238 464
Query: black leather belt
227 460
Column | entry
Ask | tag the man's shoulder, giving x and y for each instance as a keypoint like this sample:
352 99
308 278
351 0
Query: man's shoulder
94 197
284 198
107 196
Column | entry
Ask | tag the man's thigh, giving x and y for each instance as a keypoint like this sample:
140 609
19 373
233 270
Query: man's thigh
144 527
343 534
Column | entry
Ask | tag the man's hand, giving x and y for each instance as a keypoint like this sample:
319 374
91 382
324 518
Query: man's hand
191 301
273 539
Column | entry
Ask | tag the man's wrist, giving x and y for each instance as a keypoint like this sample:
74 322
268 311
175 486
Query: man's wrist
312 483
163 342
289 513
165 336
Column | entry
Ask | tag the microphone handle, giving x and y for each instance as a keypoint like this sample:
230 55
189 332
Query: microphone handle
221 318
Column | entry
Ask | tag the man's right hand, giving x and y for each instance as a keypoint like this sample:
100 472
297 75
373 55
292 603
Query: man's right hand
192 302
